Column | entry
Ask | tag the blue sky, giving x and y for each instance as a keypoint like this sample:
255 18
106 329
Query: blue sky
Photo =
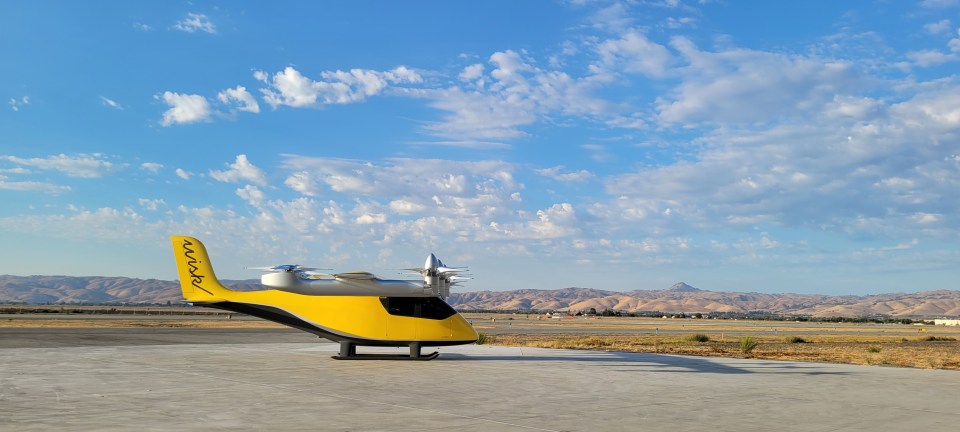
736 146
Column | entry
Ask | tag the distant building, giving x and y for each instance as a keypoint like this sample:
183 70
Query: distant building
947 322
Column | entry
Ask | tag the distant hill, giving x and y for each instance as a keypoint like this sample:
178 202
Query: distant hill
678 298
96 289
685 298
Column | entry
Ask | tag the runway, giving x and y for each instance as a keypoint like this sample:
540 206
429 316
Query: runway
274 379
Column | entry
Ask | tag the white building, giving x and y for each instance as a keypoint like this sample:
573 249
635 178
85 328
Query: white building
947 322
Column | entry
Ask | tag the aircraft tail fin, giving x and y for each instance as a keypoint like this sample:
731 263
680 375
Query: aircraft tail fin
197 279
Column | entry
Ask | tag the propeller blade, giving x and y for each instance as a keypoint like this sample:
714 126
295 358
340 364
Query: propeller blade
451 269
285 268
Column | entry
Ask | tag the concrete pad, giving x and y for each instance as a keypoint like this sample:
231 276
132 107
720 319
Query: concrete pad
297 386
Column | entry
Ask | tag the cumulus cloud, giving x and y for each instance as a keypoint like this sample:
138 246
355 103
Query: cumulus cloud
194 22
251 194
556 221
151 166
404 177
240 170
870 172
560 220
183 174
402 206
303 182
184 108
151 204
513 94
633 53
240 99
80 165
291 88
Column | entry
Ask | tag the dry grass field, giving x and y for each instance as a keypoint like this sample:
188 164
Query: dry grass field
866 344
916 352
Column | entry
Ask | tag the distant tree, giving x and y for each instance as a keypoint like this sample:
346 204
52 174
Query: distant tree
592 311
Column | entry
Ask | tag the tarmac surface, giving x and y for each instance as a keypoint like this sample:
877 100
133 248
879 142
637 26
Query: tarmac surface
151 379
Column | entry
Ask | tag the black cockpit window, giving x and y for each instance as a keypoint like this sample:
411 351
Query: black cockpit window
418 307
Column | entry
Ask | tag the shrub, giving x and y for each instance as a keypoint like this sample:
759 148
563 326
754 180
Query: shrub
796 339
482 338
873 349
699 337
938 339
747 344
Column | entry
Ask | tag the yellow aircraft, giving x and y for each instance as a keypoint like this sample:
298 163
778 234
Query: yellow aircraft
350 308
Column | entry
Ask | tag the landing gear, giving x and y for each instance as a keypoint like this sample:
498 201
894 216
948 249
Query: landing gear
348 351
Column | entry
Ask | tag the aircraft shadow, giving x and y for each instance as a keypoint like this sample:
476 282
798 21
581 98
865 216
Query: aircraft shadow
655 363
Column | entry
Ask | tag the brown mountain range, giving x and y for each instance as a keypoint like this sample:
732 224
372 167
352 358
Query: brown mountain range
679 298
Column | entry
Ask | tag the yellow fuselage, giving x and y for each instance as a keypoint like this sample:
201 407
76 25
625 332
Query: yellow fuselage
365 320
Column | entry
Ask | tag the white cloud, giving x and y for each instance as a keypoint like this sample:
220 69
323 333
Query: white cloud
406 207
560 220
33 186
240 98
151 204
251 194
954 44
557 173
515 93
183 174
615 17
927 58
938 27
194 22
80 165
16 104
290 88
184 108
469 144
869 172
240 170
369 219
303 182
472 73
860 108
151 166
740 85
398 178
556 221
111 103
633 53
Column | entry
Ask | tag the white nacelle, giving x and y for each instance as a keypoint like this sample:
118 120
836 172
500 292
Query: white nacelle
364 284
281 280
348 285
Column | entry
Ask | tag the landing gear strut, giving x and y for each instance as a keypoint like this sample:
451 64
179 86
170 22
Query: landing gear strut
348 351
